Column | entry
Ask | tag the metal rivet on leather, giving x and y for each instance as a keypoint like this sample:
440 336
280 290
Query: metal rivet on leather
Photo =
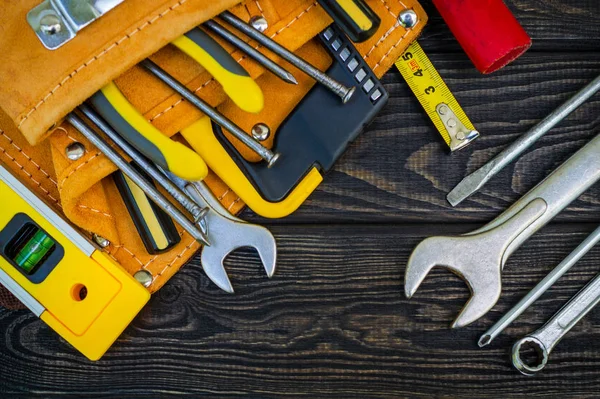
144 277
408 18
259 23
75 151
101 241
261 131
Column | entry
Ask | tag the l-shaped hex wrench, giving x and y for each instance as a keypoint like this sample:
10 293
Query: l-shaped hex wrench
479 257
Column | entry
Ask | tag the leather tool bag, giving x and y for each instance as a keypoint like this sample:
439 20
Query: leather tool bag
40 86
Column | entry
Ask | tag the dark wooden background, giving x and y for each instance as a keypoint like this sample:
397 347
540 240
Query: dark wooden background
334 320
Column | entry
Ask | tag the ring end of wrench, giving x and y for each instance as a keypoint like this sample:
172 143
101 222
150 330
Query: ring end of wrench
523 367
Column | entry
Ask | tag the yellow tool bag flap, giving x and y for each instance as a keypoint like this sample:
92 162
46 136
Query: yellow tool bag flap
41 86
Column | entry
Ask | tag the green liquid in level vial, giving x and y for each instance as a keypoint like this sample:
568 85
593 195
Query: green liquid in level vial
36 249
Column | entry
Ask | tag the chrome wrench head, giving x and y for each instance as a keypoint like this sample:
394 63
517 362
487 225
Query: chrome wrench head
480 256
227 233
477 258
549 335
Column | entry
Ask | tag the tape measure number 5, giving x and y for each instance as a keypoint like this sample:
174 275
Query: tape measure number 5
433 94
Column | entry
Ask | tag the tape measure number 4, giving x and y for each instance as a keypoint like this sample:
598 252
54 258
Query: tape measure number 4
435 97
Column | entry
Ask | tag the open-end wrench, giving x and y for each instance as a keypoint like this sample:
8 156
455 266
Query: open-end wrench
546 338
479 257
226 234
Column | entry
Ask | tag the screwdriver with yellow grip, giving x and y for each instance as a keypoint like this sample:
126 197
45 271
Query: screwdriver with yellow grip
234 79
358 21
114 107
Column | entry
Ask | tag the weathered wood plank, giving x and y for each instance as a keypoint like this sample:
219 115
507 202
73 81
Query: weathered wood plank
333 321
400 171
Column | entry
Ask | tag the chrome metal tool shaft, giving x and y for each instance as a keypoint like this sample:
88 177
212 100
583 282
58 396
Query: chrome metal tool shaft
212 113
540 288
181 197
251 52
547 337
129 171
473 182
345 93
479 256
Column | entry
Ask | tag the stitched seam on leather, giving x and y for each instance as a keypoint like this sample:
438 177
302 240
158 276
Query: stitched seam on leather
389 32
224 194
95 211
259 8
133 256
96 57
30 176
62 182
392 49
233 203
37 166
177 257
240 59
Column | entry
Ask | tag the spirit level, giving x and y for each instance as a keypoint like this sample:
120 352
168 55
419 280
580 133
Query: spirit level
60 276
436 98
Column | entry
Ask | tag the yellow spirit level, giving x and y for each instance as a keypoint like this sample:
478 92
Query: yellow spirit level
60 276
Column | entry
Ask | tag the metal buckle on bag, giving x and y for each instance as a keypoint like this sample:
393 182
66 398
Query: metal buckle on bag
56 22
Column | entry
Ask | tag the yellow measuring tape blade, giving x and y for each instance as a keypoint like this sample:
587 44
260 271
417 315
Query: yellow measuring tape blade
436 98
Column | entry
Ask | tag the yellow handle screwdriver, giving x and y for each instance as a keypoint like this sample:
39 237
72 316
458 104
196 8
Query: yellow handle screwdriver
234 79
358 21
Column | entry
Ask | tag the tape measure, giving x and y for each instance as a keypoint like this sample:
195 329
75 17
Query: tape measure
60 276
435 96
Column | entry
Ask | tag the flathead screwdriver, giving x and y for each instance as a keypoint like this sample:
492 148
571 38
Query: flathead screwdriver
345 93
473 182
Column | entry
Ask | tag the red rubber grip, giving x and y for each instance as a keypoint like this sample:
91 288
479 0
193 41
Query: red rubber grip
487 31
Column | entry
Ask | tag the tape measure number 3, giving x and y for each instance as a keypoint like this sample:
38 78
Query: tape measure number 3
435 97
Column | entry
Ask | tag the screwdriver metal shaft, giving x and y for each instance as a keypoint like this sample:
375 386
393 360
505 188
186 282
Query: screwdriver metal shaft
174 191
345 93
251 52
212 113
130 172
473 182
540 288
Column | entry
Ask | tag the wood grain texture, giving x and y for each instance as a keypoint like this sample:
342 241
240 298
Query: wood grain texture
334 322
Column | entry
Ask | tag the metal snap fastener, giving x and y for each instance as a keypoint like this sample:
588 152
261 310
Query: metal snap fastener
75 151
408 18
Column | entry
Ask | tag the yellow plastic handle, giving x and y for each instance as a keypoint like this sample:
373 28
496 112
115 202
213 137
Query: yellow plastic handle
236 82
131 124
201 137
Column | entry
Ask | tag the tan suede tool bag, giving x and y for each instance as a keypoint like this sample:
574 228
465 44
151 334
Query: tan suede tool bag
41 86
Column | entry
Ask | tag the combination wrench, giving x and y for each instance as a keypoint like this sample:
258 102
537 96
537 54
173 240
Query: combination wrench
479 257
547 337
